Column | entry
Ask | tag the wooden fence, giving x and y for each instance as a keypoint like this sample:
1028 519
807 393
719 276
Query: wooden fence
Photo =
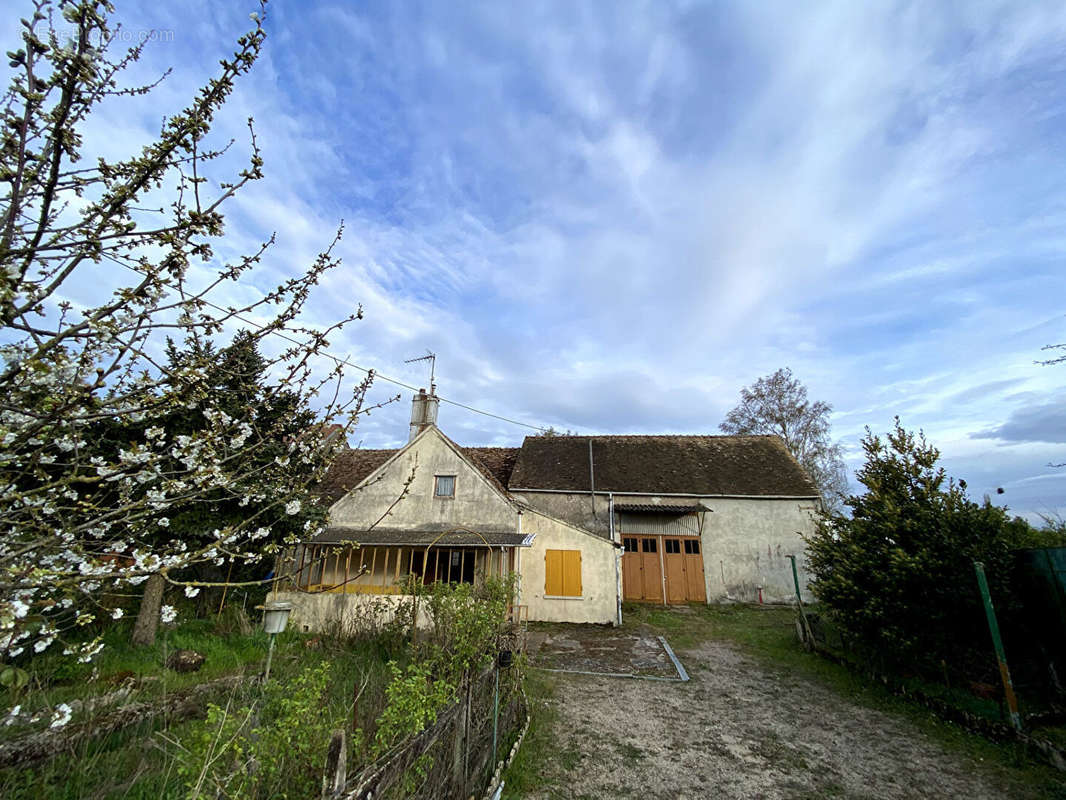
454 758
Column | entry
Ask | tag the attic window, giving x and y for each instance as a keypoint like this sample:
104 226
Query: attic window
444 486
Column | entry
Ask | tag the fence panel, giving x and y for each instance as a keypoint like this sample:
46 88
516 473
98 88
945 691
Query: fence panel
454 757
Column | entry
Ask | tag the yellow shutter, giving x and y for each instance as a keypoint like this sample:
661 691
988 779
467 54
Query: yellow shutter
572 573
562 573
553 572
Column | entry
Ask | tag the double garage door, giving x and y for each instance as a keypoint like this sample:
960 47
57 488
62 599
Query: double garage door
654 565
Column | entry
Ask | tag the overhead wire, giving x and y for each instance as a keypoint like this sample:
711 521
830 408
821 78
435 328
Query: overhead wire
339 360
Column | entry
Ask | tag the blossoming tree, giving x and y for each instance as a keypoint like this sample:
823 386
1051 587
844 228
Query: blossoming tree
84 512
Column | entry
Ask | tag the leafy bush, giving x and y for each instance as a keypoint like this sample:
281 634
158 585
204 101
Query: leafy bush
467 621
898 574
274 746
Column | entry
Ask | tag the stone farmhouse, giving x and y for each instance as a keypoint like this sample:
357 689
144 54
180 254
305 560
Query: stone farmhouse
584 522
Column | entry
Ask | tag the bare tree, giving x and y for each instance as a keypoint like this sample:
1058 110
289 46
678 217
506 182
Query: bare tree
778 404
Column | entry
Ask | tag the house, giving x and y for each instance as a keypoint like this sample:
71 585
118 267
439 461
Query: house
585 522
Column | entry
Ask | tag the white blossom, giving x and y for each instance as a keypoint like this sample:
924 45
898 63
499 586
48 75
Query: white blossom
61 715
293 507
116 613
168 614
192 591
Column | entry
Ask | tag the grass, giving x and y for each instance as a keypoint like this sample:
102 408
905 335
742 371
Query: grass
55 678
538 759
768 634
139 761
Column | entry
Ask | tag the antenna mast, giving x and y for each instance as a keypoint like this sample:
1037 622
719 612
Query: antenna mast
432 359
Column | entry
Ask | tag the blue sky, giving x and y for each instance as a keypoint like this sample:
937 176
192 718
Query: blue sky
609 217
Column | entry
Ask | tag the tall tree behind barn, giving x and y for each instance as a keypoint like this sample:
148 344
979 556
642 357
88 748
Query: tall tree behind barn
778 405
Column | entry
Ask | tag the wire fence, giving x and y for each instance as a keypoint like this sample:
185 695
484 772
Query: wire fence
968 692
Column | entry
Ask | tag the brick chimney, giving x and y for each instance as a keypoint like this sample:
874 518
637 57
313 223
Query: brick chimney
423 411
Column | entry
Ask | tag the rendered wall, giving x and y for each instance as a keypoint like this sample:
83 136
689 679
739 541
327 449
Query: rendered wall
599 592
327 611
745 544
477 504
577 508
745 541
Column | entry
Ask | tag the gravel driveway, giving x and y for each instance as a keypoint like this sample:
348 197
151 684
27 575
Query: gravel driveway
738 730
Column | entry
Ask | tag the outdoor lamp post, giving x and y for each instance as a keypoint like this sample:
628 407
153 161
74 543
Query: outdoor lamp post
275 618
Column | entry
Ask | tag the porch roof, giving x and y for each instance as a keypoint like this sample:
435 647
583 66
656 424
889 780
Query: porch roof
657 508
422 537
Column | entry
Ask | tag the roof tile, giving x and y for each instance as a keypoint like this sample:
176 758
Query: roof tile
697 465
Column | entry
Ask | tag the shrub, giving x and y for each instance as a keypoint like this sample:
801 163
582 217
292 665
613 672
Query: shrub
897 574
274 746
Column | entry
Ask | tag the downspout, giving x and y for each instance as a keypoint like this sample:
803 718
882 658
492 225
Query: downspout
617 559
592 481
518 568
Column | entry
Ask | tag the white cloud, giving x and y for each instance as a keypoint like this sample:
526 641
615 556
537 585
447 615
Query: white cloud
613 221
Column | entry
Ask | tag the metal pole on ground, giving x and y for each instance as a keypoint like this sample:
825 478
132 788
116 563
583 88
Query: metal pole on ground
270 657
495 712
807 640
997 642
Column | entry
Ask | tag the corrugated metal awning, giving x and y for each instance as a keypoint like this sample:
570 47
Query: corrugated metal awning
658 508
394 537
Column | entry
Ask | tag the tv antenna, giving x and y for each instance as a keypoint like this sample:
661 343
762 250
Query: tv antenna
431 357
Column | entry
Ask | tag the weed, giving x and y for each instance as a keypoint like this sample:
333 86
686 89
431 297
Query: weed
534 766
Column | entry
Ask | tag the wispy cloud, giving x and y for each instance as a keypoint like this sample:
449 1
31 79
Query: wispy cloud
612 220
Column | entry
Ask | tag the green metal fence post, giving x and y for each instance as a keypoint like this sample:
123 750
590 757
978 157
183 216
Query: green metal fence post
1001 656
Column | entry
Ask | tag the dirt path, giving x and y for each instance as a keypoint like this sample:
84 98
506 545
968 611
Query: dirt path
737 730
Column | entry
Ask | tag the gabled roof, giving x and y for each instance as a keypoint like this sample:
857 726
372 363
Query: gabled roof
348 469
750 466
497 462
351 467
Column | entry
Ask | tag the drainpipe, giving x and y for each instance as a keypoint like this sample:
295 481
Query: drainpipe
617 559
518 568
518 576
592 481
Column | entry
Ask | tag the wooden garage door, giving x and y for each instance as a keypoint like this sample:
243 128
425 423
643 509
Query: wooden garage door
674 562
645 561
642 577
695 583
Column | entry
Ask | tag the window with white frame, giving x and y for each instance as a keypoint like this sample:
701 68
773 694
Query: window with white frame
444 486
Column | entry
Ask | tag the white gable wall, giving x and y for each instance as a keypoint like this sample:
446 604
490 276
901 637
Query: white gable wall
599 581
477 503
